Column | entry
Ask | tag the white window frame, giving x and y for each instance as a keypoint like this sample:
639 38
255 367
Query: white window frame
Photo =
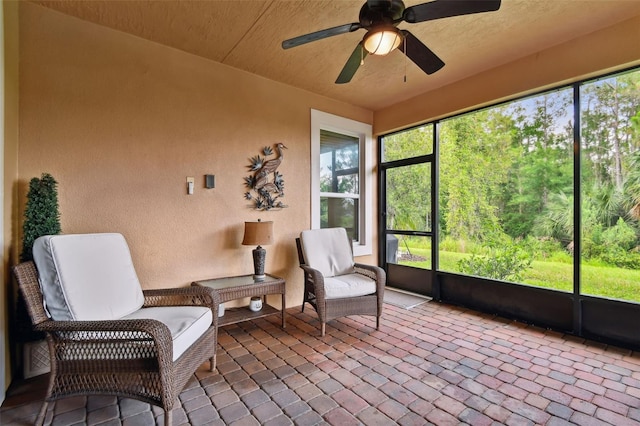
364 132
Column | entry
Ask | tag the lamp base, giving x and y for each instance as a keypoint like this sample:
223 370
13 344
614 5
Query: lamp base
259 255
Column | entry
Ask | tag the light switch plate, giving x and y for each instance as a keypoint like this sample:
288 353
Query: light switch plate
190 184
209 181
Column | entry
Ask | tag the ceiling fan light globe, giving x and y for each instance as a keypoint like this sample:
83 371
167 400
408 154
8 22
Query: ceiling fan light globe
382 41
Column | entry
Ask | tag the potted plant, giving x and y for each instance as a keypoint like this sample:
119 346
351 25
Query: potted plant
41 217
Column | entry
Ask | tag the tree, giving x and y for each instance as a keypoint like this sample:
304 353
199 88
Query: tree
632 186
557 220
545 161
608 132
476 155
611 166
409 187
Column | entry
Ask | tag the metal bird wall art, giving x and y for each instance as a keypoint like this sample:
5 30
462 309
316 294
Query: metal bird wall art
266 184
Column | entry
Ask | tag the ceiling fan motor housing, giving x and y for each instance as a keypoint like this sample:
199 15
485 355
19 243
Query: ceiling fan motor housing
381 12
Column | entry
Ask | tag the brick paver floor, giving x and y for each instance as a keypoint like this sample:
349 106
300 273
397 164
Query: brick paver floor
434 364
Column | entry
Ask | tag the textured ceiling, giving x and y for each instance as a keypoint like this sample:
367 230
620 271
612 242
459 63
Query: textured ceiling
248 35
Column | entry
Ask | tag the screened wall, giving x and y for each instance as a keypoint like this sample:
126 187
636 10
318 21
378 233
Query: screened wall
535 212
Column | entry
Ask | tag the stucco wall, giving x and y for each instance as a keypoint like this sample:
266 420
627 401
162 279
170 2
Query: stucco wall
121 122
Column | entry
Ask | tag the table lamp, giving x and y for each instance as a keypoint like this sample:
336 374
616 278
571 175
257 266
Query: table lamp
258 233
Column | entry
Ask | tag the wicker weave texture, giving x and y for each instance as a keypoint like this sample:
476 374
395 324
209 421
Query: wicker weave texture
329 309
272 285
127 358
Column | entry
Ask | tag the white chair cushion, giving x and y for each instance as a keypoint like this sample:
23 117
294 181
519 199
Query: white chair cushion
328 250
87 276
186 323
350 285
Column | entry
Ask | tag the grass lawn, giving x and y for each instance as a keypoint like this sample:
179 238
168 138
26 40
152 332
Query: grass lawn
614 283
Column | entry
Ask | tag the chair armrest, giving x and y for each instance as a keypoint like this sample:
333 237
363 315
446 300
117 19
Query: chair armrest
374 272
379 275
114 339
182 296
314 278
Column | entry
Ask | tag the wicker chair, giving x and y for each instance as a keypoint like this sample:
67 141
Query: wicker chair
133 356
334 284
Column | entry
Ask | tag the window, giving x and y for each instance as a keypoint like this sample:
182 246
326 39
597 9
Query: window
342 177
506 192
339 182
610 192
507 187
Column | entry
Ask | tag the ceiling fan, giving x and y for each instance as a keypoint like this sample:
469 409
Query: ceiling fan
381 17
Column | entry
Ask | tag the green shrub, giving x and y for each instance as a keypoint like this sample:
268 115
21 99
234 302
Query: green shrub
503 263
41 214
590 248
617 256
621 235
547 248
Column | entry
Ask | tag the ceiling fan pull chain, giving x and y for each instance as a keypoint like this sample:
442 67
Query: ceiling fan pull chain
362 56
404 40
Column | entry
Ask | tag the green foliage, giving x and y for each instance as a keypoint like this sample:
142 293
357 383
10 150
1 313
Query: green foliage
561 256
409 198
502 263
613 246
42 216
459 246
472 175
339 166
606 201
547 249
621 235
411 143
557 220
451 245
617 256
631 185
339 174
508 171
409 187
597 278
592 245
544 165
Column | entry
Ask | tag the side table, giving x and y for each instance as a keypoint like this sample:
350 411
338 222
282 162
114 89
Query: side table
231 288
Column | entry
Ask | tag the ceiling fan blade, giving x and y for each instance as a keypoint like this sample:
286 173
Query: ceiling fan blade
352 65
420 54
318 35
438 9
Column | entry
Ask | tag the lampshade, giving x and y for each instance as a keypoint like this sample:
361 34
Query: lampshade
382 40
258 233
